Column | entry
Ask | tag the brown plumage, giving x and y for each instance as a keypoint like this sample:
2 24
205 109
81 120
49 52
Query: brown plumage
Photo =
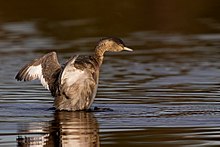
73 85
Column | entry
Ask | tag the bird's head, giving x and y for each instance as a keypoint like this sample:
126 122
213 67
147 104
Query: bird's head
111 44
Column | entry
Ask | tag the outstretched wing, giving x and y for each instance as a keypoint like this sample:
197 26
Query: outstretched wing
43 69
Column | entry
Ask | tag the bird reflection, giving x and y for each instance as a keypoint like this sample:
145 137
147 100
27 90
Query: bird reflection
68 129
78 129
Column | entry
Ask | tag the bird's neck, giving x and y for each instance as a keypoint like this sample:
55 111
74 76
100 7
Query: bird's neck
99 51
99 54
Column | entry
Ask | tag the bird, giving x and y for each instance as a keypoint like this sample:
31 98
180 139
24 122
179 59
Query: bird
73 84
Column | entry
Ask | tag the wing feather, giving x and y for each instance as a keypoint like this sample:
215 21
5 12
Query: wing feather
41 69
70 74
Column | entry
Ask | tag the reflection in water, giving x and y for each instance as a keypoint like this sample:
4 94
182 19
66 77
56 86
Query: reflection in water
164 137
78 129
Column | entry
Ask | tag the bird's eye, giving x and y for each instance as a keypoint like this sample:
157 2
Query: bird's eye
121 45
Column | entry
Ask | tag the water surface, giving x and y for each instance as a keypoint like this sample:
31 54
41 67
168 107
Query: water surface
165 93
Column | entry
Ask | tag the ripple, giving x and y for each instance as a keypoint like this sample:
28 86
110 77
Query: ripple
173 88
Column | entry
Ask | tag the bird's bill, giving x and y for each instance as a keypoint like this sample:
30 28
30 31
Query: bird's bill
128 49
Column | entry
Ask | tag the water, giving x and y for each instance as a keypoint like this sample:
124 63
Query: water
165 93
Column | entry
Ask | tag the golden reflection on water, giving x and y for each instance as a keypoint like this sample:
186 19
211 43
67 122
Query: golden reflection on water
68 129
164 137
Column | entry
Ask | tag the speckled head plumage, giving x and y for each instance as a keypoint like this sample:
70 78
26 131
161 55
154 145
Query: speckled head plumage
114 39
111 44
